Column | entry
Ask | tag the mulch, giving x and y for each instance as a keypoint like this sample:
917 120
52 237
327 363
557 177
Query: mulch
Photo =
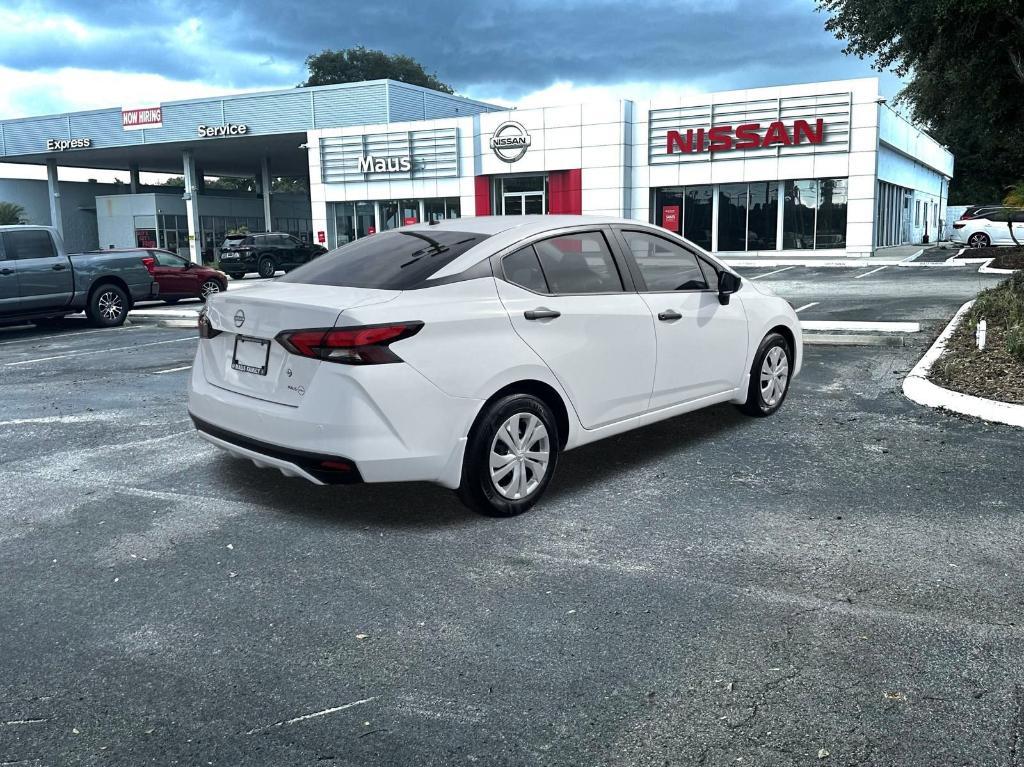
1005 258
992 373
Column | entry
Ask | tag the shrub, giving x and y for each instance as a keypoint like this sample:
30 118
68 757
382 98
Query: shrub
1002 305
1015 342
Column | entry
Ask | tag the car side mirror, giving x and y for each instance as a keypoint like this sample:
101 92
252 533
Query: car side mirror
728 283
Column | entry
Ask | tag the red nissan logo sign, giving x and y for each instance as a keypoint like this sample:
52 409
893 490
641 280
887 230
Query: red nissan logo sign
724 138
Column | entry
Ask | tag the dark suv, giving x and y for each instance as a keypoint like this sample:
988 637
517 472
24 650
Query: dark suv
265 253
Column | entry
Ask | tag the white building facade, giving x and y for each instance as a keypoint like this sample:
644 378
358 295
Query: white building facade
817 169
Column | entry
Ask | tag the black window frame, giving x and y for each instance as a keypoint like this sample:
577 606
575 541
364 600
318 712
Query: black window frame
638 277
614 248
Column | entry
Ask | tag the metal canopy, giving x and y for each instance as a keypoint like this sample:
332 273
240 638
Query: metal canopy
228 156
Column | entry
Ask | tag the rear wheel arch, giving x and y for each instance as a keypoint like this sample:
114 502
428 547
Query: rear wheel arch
109 280
542 391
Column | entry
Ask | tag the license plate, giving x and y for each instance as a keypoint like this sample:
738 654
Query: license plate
251 355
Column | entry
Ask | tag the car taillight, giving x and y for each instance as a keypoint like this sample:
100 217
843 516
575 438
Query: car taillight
361 345
149 262
206 328
958 225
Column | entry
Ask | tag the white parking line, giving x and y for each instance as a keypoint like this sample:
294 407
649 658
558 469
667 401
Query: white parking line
857 277
807 306
173 370
769 274
62 335
95 351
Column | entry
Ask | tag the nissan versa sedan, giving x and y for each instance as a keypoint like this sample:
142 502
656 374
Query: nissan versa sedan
473 352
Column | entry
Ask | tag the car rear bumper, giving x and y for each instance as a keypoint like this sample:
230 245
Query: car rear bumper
388 421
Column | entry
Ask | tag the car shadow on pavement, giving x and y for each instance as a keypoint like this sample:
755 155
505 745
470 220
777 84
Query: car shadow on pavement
421 504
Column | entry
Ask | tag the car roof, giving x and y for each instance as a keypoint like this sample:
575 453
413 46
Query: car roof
505 231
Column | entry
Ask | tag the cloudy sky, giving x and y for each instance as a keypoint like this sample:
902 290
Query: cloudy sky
65 55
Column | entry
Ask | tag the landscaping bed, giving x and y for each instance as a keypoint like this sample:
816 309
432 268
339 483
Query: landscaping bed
998 371
1005 258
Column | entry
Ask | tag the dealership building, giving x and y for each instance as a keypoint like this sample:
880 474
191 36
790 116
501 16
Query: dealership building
817 169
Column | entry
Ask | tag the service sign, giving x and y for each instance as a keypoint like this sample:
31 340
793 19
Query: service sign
143 117
215 131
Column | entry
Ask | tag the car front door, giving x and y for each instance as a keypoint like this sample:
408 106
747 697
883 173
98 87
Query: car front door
570 302
10 295
45 279
702 345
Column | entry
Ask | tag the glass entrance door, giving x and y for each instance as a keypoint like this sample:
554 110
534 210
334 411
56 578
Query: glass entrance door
523 195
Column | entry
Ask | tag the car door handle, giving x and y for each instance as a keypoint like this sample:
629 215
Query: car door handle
541 313
59 267
5 270
669 315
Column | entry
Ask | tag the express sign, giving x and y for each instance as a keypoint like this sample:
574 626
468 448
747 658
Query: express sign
724 138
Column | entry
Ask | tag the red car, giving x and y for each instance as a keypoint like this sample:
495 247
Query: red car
179 278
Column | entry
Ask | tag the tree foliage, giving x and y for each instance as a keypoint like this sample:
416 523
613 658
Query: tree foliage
11 213
351 65
964 65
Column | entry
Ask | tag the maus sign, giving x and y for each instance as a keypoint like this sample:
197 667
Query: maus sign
371 164
723 138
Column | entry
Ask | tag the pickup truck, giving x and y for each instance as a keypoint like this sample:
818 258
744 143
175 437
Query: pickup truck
40 282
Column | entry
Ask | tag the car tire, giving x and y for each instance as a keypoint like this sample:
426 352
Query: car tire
108 306
979 240
209 288
267 267
517 482
774 360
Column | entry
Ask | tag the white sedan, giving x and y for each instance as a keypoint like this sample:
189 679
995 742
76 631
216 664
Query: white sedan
473 352
990 228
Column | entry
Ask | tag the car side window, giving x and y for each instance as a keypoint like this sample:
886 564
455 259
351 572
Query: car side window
578 263
999 216
665 266
523 269
30 243
167 259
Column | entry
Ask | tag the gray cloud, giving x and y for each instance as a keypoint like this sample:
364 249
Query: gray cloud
507 48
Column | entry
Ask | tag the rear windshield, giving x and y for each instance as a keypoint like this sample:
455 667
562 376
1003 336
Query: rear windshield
396 260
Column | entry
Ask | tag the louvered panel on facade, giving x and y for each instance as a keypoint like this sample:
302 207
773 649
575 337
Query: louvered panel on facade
834 109
285 112
181 121
356 105
30 136
405 104
432 153
104 128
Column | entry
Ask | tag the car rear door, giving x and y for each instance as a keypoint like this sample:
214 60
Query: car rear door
702 345
45 279
173 275
10 295
573 304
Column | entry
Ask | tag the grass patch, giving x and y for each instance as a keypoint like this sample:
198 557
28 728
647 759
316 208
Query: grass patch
998 371
1005 258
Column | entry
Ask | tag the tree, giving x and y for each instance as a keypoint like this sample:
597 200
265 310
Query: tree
351 65
10 213
964 65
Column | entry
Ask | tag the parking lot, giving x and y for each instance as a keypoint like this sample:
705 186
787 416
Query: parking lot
837 584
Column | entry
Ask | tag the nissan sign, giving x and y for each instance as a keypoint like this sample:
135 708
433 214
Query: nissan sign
724 138
510 141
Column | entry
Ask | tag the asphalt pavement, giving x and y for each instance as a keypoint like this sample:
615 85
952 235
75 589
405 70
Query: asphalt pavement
837 584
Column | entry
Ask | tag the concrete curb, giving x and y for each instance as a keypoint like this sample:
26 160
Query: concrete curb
852 339
855 326
986 269
917 388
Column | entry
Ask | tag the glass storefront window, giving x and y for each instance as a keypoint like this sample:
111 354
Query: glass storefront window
697 210
831 229
440 208
732 217
801 205
763 215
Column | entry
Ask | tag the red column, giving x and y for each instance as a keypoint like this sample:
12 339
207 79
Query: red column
482 190
572 194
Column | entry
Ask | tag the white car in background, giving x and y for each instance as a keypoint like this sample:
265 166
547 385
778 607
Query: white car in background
991 228
472 352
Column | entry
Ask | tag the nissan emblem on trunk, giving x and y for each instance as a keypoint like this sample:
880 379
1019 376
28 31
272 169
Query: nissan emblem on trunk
510 141
239 318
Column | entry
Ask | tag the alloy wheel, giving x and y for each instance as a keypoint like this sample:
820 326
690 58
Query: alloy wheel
519 456
209 288
774 374
110 305
977 241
